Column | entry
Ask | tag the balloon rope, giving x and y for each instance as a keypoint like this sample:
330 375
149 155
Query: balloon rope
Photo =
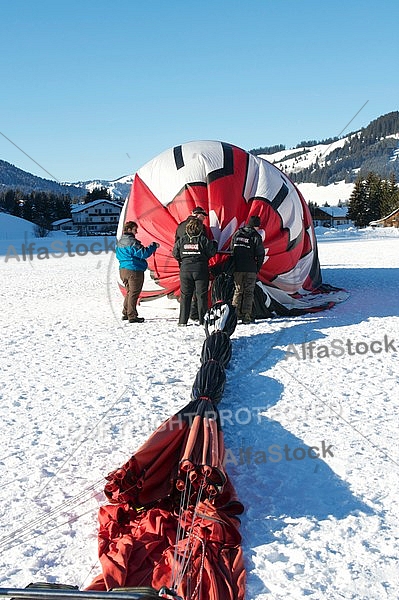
197 587
27 531
180 531
186 558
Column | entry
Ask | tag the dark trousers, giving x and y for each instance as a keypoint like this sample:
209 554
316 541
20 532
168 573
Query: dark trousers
194 308
133 282
244 292
190 282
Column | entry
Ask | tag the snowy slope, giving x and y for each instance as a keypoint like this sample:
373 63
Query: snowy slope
293 160
333 194
118 188
81 390
296 159
15 228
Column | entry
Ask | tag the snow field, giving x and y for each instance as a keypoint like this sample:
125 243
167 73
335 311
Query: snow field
81 390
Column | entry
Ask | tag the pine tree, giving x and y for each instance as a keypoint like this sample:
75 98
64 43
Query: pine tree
390 196
373 186
61 207
42 209
372 199
28 209
358 203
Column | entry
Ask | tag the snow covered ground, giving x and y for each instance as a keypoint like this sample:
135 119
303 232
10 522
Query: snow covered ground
332 194
310 415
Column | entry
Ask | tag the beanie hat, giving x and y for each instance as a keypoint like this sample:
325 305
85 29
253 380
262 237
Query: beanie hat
199 211
254 221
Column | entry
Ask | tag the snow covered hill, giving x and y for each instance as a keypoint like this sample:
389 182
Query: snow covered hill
310 419
294 160
119 188
15 228
333 194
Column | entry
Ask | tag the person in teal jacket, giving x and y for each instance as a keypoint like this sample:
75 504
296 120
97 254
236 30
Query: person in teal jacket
132 257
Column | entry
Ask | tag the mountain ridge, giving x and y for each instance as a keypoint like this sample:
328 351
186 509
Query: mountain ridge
12 177
373 148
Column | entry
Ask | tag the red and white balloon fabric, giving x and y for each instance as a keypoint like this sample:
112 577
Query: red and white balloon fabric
231 184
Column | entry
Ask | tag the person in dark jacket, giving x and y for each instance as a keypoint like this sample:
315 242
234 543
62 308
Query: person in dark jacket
132 257
193 251
248 256
197 213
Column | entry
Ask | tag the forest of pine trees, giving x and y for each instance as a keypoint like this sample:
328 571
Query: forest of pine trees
372 199
41 208
368 150
267 149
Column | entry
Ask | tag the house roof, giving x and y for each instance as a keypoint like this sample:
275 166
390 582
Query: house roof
61 221
387 217
335 211
81 207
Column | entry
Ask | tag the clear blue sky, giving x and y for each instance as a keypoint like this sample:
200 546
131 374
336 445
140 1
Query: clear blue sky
96 88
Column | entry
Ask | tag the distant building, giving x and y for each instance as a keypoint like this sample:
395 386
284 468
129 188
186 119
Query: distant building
99 216
330 216
62 225
391 220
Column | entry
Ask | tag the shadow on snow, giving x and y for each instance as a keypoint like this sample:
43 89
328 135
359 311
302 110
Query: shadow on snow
274 490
